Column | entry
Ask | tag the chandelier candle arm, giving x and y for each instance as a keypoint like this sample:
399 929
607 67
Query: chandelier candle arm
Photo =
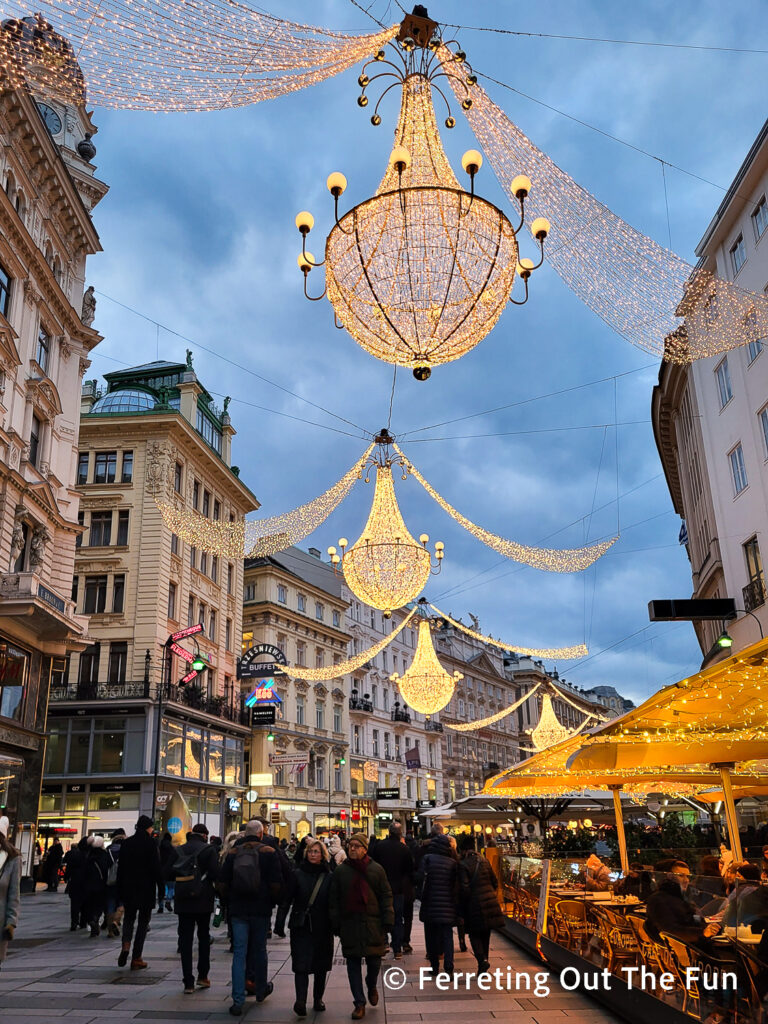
548 559
560 653
351 664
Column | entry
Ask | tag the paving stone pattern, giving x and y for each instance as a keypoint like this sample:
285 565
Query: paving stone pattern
52 973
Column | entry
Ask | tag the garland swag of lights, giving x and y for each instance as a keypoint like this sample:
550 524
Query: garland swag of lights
549 559
176 56
351 664
565 653
639 288
481 723
425 685
261 537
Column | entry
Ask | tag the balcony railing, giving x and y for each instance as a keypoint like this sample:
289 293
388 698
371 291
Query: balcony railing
433 726
360 704
753 594
186 695
99 691
191 697
400 716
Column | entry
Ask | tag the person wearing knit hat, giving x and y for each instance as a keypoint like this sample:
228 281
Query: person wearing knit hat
361 909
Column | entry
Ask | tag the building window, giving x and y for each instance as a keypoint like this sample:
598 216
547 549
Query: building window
449 745
83 462
249 592
14 667
375 695
191 611
753 559
738 469
319 716
193 557
127 474
216 510
760 218
209 433
461 708
206 503
319 657
228 635
118 594
337 717
723 376
282 595
204 562
122 527
386 699
196 495
319 611
100 533
376 742
174 544
172 601
5 291
105 468
301 654
356 738
230 577
43 349
738 253
215 568
764 425
95 601
336 619
320 773
299 710
212 625
177 477
88 672
301 603
118 658
34 440
755 347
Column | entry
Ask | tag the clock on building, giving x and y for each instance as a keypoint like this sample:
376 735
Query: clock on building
50 117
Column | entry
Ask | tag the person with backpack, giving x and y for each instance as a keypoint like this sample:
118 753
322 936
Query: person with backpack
95 872
479 901
114 907
138 872
252 883
397 861
194 873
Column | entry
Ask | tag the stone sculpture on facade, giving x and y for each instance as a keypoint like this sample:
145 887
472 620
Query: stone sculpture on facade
88 313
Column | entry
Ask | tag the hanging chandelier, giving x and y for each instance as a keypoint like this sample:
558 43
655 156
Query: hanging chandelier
548 729
420 273
385 567
425 685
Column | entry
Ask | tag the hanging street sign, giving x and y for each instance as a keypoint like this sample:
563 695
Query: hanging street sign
286 759
260 661
263 694
263 714
390 793
188 631
181 653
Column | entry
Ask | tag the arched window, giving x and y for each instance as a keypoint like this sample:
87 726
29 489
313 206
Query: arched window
57 271
21 205
48 254
10 185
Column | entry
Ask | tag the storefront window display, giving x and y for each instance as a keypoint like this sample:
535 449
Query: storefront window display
14 673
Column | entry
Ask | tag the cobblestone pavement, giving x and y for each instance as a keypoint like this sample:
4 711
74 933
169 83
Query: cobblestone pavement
53 973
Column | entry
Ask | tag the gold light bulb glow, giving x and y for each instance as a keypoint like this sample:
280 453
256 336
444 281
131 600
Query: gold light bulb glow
419 276
385 567
426 686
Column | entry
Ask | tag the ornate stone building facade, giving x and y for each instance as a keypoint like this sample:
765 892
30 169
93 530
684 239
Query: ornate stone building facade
154 434
48 189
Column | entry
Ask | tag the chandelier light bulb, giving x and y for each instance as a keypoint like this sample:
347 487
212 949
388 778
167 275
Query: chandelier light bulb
305 222
343 542
305 261
423 538
331 551
524 267
540 228
336 184
472 161
400 155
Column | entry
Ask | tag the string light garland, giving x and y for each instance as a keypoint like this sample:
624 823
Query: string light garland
425 685
549 559
481 723
351 664
564 653
639 288
180 55
261 537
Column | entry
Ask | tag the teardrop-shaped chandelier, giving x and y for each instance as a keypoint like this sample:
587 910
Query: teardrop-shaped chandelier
385 567
548 729
425 685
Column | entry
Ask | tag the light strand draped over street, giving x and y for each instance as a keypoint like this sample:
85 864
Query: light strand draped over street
563 653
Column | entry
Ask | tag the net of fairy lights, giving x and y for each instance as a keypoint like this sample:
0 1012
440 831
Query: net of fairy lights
646 293
178 55
385 567
260 537
425 685
420 273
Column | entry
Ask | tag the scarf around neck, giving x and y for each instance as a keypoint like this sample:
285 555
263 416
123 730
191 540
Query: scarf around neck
357 897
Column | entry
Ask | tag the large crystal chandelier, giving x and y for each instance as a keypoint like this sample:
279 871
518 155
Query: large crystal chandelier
548 729
385 567
419 273
425 685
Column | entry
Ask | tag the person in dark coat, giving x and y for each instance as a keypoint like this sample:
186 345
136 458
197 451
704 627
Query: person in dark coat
138 873
310 926
194 903
669 911
361 914
285 872
637 883
439 885
74 864
52 865
114 907
479 902
397 861
165 888
250 913
95 872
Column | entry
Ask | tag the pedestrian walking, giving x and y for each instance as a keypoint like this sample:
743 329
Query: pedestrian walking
165 890
52 865
114 906
138 873
251 880
285 873
397 861
95 874
479 902
310 926
195 870
361 914
10 894
74 868
438 884
336 851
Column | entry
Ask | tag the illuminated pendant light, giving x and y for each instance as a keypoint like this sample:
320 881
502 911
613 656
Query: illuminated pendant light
385 567
426 686
421 272
548 730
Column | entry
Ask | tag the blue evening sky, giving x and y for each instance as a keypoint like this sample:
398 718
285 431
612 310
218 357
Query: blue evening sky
198 236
